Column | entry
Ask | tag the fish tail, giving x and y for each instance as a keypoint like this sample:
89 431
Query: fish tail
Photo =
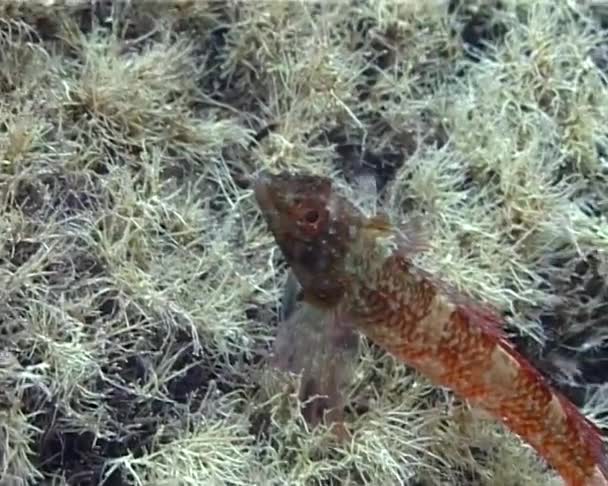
591 437
486 369
551 423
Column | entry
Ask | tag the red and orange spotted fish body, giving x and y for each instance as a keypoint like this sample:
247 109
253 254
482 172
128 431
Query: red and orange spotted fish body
359 268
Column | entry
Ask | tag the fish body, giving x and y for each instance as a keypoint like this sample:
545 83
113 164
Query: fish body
357 268
457 347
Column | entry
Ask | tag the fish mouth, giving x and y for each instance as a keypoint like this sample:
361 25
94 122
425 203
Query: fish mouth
262 192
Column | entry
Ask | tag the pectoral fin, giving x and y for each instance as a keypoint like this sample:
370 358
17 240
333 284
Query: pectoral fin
323 348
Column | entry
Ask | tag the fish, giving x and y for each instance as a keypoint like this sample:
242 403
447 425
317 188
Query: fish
360 268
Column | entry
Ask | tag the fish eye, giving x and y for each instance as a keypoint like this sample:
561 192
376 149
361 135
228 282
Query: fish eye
311 216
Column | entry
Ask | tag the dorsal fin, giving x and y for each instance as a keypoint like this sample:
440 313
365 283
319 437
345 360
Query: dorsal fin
478 313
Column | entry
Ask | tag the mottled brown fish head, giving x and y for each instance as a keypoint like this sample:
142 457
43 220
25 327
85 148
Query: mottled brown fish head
313 226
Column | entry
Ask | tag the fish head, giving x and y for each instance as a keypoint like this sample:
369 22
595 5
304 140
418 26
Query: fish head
313 225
